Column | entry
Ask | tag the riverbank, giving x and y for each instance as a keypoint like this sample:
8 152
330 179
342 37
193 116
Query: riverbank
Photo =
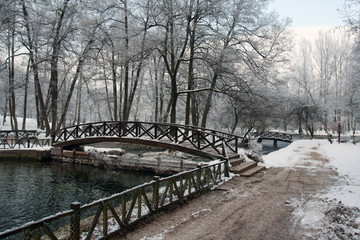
41 154
161 162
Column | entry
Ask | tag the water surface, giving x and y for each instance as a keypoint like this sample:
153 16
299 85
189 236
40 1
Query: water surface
31 190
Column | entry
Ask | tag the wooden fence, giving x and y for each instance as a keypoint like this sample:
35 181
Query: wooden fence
22 139
113 215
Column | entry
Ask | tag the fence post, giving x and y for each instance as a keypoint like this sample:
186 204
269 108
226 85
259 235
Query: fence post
224 153
198 176
158 160
181 165
75 221
226 168
156 189
105 219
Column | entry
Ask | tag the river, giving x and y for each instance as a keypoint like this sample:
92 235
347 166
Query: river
267 146
31 190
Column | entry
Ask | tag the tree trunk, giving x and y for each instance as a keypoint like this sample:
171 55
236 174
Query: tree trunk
79 102
35 69
11 70
189 97
54 93
107 96
208 102
126 79
74 80
113 68
25 95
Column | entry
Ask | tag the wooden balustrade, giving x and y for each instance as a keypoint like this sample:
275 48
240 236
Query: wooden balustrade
191 137
22 139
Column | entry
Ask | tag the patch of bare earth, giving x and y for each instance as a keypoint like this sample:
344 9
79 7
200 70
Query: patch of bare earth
256 208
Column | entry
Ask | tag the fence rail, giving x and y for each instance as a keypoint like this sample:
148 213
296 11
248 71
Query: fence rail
24 143
114 214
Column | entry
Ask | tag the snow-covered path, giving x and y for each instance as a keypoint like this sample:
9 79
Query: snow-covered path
332 213
294 199
344 158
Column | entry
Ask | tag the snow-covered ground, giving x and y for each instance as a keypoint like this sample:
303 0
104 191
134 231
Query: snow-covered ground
334 213
30 123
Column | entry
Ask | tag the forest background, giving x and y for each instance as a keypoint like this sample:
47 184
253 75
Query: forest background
229 65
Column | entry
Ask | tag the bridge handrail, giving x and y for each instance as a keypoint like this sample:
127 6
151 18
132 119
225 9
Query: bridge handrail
131 205
200 138
204 130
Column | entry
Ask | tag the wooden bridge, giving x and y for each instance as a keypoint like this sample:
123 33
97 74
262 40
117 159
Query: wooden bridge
193 140
275 136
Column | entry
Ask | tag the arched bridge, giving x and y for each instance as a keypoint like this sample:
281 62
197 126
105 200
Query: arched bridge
285 137
194 140
274 136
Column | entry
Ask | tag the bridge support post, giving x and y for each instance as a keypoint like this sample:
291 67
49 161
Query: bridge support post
275 144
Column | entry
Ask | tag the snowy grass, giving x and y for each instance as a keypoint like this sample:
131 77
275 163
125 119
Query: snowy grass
30 124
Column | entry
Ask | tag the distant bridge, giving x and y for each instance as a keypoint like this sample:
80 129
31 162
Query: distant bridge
275 136
193 140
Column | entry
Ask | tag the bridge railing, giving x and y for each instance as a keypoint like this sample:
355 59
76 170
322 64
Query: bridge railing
199 138
10 139
274 136
114 214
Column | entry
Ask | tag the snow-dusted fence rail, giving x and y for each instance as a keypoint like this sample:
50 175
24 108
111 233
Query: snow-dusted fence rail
114 214
22 139
188 137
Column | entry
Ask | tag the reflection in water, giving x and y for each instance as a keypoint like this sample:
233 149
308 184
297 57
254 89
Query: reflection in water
31 190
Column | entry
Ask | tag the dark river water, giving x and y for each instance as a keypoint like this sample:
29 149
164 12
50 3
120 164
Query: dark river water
32 190
267 146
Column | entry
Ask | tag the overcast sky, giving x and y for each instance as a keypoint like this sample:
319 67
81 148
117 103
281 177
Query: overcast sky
310 12
310 16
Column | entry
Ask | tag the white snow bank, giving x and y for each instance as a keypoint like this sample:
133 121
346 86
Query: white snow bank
344 157
31 124
334 214
294 155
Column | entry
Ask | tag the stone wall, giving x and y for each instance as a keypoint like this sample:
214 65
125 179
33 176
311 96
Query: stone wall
25 154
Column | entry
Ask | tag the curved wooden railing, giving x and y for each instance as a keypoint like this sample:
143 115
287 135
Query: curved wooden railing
193 137
112 215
